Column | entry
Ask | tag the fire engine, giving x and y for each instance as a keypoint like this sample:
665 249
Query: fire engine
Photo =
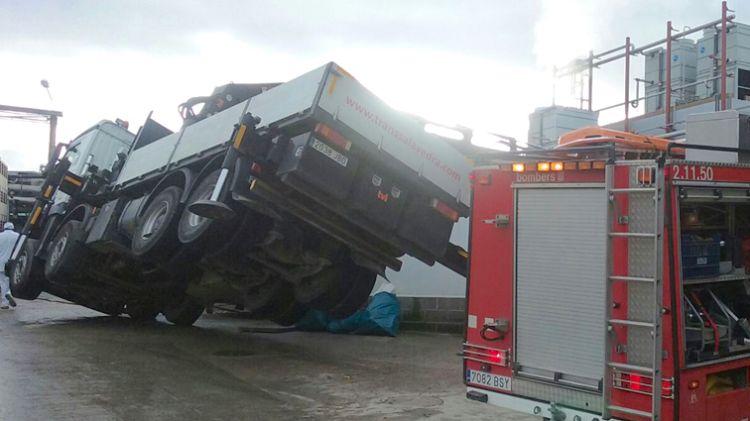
608 280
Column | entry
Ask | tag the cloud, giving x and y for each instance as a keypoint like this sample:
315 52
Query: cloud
490 28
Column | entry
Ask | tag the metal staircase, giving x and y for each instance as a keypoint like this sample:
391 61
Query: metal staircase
645 180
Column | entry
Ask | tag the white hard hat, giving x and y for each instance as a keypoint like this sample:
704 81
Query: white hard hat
9 226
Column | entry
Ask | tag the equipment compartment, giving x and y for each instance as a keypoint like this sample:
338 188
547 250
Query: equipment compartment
715 258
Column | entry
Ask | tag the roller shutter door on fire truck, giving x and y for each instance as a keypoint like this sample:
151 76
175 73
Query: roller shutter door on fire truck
560 272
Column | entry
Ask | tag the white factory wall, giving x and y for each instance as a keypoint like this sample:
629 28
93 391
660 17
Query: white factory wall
416 279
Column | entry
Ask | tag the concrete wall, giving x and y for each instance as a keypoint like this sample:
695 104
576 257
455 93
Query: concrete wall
416 279
433 298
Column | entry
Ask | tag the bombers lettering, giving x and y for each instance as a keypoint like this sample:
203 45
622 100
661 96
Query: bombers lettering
537 177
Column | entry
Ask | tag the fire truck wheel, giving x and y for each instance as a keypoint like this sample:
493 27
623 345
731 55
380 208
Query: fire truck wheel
192 227
154 234
184 311
65 252
359 282
26 278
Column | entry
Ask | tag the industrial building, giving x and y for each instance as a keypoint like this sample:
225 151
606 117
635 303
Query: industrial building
22 187
681 76
3 192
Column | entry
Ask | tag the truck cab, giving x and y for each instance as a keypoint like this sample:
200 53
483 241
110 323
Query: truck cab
96 148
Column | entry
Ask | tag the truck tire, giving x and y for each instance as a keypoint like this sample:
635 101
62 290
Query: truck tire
65 252
322 291
360 282
191 227
27 276
290 315
154 236
183 311
142 312
338 290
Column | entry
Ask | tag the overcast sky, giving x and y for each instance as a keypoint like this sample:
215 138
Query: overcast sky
483 64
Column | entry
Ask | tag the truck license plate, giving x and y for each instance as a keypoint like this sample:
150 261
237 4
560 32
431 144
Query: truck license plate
494 381
329 152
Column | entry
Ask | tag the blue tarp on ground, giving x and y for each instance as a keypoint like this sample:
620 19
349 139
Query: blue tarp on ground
381 317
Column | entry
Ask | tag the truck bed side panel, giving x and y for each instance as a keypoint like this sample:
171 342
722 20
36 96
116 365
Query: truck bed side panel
396 133
272 106
148 159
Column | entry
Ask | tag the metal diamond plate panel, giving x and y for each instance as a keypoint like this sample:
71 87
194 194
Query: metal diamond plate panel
559 395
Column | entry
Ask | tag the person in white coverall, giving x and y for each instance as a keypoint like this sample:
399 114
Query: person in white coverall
7 240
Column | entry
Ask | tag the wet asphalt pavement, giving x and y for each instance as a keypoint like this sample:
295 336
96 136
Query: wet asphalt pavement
59 361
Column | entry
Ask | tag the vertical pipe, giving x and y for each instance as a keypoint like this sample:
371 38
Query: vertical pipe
627 83
554 84
668 81
591 78
723 55
52 136
581 94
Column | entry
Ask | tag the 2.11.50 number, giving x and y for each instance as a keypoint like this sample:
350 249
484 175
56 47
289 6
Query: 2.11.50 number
693 172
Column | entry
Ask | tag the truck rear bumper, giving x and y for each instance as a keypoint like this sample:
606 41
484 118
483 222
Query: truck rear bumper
529 406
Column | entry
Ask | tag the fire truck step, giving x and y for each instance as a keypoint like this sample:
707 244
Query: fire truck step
630 411
631 279
632 367
633 234
634 190
626 322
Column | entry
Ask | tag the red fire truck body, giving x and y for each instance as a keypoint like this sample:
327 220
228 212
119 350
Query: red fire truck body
592 279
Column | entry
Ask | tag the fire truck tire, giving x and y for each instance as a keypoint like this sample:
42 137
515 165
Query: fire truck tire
154 236
65 252
26 278
183 312
360 282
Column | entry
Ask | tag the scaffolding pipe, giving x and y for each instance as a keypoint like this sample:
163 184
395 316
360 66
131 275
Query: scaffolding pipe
661 41
723 55
627 84
668 77
591 78
660 93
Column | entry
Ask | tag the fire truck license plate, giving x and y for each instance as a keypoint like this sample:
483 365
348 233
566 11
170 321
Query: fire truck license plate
329 152
494 381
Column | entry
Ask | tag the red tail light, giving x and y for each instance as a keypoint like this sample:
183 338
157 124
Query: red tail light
445 210
333 136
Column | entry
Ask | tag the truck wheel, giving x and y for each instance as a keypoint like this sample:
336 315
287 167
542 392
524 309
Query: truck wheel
154 234
322 291
183 311
65 252
142 312
360 282
191 227
26 278
290 315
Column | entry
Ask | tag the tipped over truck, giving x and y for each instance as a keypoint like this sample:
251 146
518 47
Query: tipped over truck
273 198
